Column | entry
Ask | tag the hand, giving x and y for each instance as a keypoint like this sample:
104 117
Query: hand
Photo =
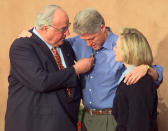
83 65
152 72
24 33
133 76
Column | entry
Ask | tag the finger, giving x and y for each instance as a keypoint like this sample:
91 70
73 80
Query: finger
92 57
127 77
131 80
92 60
136 80
28 34
29 28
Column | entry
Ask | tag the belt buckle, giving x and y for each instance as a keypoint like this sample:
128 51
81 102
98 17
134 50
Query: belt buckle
100 111
91 111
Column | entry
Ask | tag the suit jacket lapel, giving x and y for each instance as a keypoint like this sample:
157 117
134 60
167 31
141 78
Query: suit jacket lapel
66 54
44 48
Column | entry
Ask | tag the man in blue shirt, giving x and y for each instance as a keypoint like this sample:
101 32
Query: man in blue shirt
99 85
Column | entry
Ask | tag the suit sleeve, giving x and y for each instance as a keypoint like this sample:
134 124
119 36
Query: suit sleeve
28 69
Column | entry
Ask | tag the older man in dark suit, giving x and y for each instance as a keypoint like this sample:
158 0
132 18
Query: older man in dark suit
44 90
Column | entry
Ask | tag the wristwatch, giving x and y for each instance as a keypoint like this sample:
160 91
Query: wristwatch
147 66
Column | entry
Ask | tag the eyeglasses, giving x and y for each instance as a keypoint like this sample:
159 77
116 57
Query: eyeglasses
63 29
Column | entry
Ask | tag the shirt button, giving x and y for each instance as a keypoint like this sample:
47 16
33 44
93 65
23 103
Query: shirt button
90 90
90 102
91 77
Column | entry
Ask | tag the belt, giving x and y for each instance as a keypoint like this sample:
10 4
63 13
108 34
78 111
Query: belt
107 111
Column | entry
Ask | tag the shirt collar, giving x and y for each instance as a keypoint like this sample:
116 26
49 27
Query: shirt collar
110 41
35 32
125 73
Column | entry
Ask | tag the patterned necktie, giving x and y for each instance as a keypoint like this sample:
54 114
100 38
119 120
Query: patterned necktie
61 67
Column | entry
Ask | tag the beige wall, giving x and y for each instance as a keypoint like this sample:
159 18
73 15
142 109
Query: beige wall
149 16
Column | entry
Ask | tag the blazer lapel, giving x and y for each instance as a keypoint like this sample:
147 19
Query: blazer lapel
44 48
66 55
69 60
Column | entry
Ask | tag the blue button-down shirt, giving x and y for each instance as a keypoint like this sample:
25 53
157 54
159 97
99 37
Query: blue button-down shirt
99 85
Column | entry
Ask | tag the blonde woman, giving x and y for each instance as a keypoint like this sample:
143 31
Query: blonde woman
135 106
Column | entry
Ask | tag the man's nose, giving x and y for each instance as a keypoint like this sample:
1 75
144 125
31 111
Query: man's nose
67 33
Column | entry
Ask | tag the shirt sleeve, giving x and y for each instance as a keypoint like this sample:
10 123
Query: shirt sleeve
159 70
76 42
71 40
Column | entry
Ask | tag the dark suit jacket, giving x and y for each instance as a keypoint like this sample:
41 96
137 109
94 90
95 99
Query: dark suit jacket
37 99
135 106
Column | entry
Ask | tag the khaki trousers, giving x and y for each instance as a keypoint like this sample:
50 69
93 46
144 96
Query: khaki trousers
98 122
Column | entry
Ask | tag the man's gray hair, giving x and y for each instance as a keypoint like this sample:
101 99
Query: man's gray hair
87 21
45 16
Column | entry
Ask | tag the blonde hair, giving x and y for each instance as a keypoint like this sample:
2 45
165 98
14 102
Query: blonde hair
135 49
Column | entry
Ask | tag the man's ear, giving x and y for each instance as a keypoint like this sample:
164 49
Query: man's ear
103 28
45 28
